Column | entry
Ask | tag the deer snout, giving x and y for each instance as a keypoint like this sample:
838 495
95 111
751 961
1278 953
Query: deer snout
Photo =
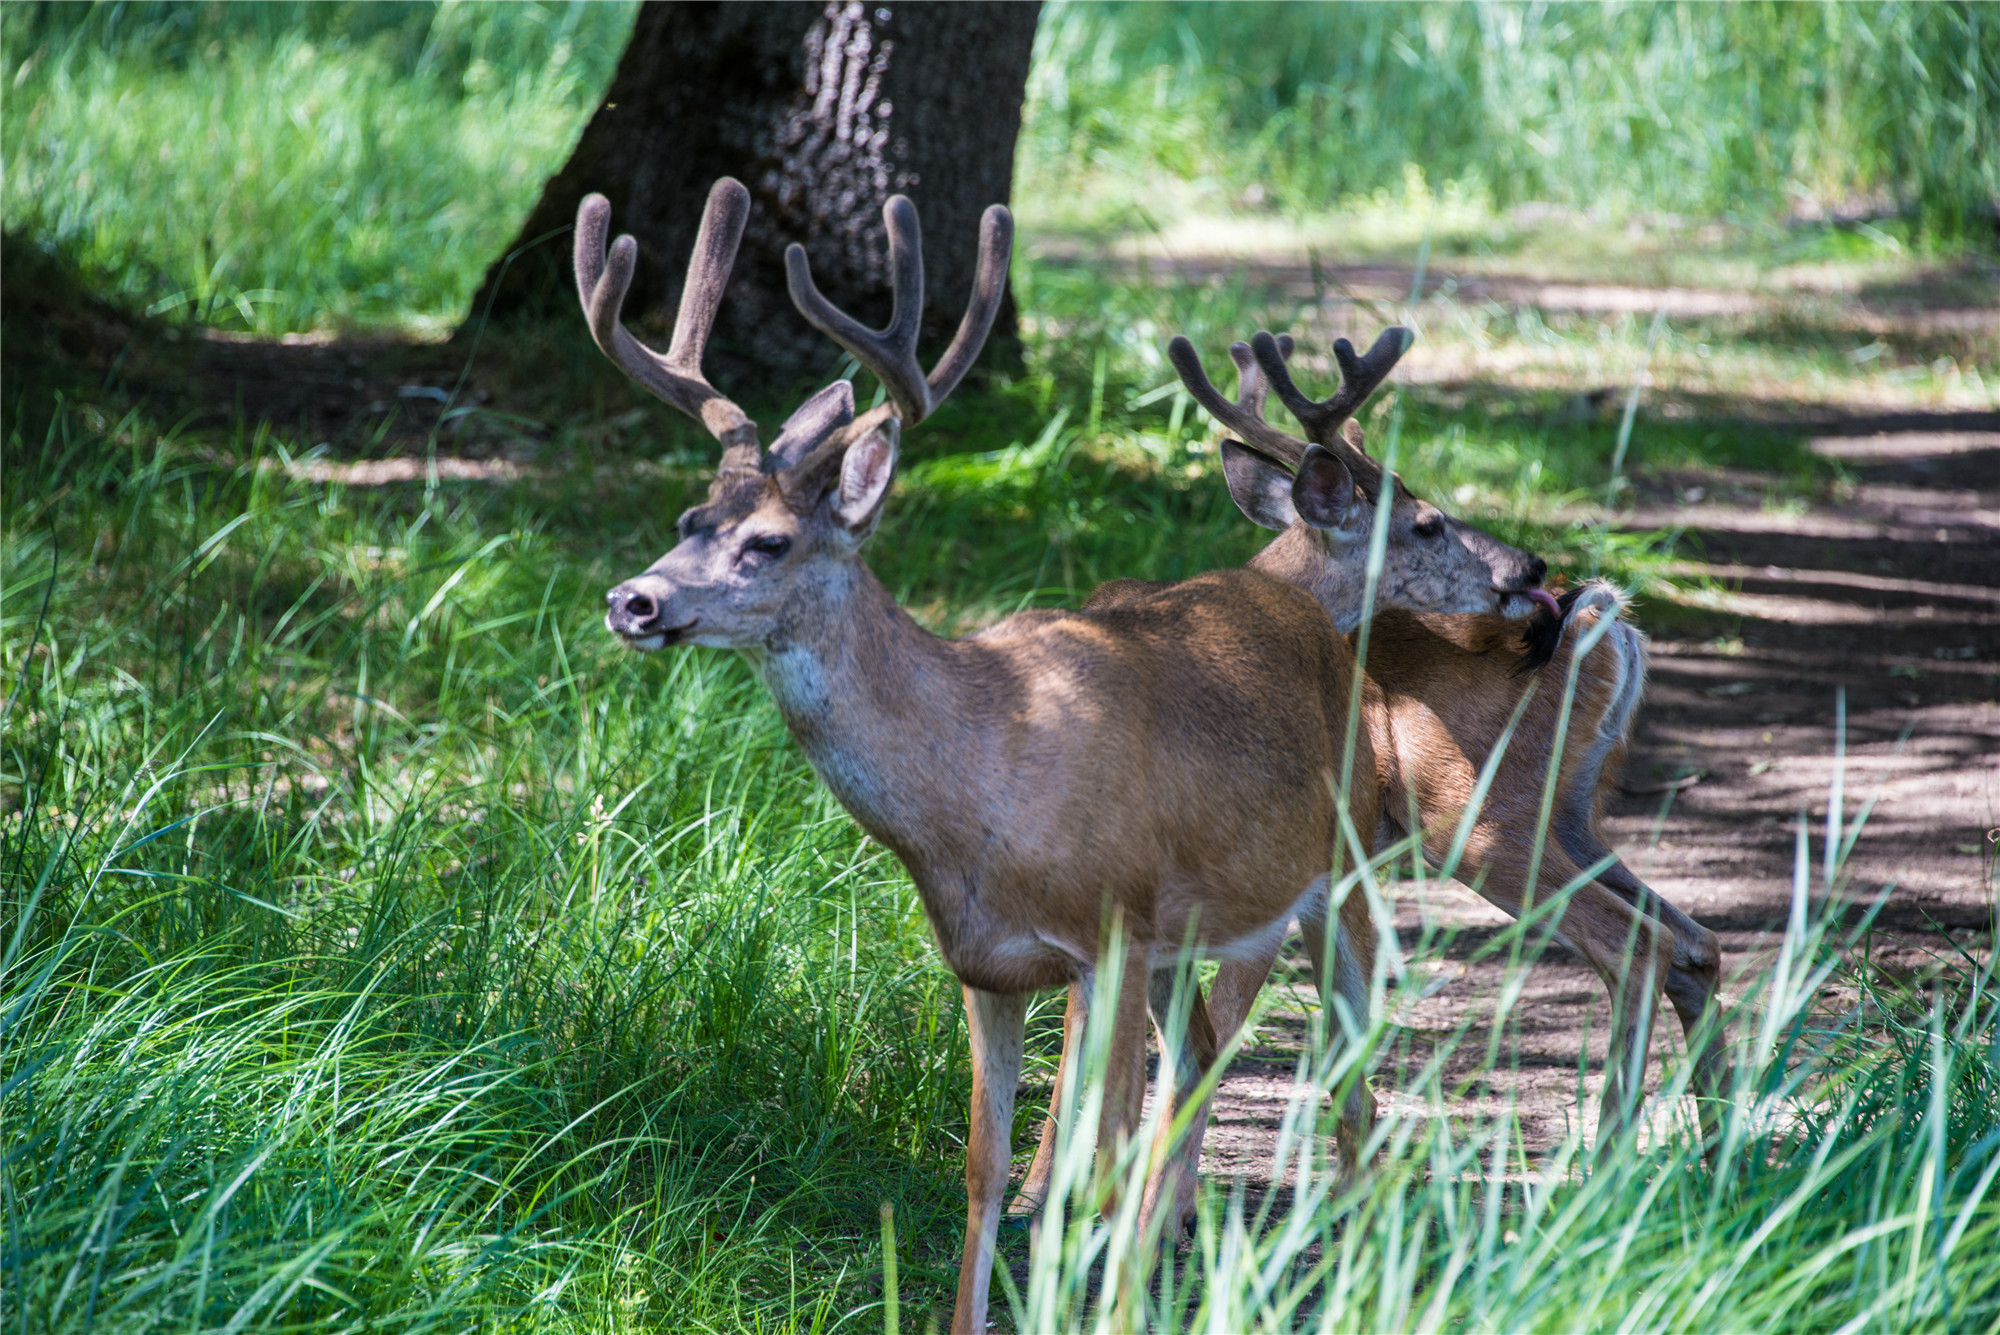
1520 573
1517 579
638 613
1531 587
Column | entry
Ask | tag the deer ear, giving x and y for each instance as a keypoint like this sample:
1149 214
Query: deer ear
816 419
1324 489
1261 488
865 471
1350 431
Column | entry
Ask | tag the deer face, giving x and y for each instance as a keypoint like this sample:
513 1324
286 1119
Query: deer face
1324 493
1431 561
733 576
767 558
764 558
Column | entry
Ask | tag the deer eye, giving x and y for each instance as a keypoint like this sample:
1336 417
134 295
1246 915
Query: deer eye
1429 526
770 546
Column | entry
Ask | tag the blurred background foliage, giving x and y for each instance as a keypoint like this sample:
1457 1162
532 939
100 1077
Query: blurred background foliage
1747 110
283 166
293 165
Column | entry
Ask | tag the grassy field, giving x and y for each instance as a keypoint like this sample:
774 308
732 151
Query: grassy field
383 947
386 944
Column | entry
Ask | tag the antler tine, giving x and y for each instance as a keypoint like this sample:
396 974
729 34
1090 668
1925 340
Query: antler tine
602 280
1239 417
1250 385
989 285
890 352
1358 378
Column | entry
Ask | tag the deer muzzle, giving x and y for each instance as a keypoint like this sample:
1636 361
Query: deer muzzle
641 614
1517 579
1515 576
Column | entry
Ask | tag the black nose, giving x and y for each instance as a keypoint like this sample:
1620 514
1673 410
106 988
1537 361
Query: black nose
632 612
1537 568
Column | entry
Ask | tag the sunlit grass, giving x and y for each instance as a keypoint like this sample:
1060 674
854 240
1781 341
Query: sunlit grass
293 180
1138 114
433 958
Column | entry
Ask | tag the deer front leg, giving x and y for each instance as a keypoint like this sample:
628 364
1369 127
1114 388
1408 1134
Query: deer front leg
1034 1191
996 1022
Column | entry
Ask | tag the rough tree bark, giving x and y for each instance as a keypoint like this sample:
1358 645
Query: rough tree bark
823 110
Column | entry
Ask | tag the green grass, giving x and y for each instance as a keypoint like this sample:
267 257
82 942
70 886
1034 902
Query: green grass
383 945
1695 110
482 960
349 164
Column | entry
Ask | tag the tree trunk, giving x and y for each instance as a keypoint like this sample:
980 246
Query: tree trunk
823 110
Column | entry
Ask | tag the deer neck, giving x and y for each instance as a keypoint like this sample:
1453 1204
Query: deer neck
870 694
1298 556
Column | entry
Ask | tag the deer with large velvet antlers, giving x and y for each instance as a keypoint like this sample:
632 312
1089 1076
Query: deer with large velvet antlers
1164 765
1445 673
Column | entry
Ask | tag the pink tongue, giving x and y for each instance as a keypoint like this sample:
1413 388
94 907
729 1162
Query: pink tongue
1543 598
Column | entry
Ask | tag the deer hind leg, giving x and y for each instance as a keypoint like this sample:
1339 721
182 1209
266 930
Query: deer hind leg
1034 1191
1238 981
1124 1076
1177 1166
1196 1054
996 1022
1627 950
1344 997
1694 976
1630 952
1693 987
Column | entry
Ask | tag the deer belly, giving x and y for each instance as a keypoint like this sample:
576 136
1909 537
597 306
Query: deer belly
1022 941
998 944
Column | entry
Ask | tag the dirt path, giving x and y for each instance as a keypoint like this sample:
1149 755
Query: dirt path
1892 595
